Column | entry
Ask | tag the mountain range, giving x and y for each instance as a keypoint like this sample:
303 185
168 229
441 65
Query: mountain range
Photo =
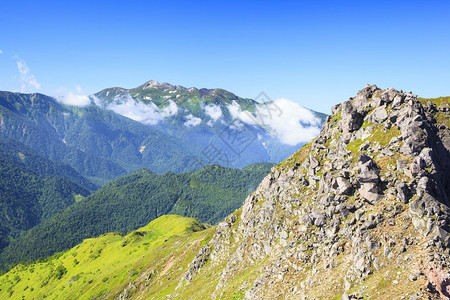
241 130
157 126
54 155
360 212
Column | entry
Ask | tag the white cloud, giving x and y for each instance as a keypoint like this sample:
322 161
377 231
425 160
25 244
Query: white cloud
74 99
97 100
285 119
192 121
170 110
138 111
213 111
147 113
1 51
244 116
27 79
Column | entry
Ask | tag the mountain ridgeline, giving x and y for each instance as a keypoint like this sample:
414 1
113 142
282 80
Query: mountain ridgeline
361 212
97 143
241 131
156 126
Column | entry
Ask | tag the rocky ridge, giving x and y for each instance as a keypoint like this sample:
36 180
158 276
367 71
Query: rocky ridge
362 211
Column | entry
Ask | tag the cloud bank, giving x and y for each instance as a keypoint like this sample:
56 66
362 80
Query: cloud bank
285 119
244 116
170 110
192 121
213 111
74 98
27 80
147 113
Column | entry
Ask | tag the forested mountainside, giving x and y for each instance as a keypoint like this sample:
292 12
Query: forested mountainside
19 154
130 202
29 196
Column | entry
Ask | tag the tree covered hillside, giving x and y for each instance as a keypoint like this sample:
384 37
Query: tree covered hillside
26 199
132 201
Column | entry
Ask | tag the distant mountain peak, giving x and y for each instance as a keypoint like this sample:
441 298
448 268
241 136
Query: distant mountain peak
153 84
201 115
157 84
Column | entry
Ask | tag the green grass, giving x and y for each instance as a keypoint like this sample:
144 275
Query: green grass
103 266
441 117
378 135
440 101
297 157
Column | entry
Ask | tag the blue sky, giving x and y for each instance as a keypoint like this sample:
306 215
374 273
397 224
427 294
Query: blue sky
316 53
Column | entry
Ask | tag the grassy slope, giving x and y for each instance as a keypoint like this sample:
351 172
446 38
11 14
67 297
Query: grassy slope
104 266
440 116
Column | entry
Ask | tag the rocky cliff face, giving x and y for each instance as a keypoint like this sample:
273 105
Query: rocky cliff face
362 211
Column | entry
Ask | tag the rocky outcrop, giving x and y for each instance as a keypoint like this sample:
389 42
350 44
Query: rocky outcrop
362 211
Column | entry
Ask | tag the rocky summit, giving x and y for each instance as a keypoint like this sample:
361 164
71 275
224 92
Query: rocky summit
362 212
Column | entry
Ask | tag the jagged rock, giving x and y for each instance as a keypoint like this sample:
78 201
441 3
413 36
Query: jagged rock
415 169
335 109
379 115
200 259
359 209
345 187
422 185
402 192
368 176
314 162
318 219
369 191
351 119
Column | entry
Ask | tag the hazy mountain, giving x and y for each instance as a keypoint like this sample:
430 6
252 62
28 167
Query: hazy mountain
157 126
97 143
216 124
